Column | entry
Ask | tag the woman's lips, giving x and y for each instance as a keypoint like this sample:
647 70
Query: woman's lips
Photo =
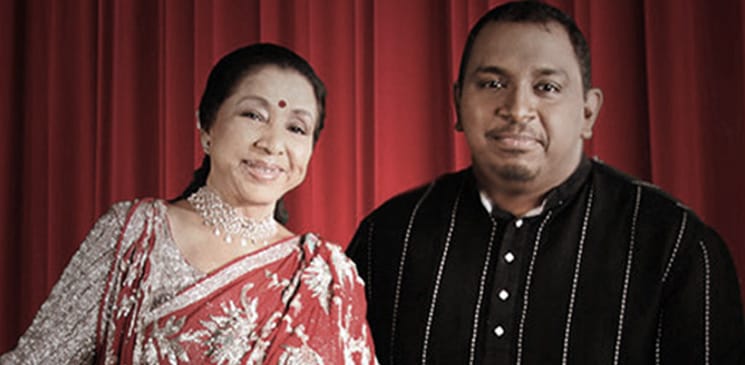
262 170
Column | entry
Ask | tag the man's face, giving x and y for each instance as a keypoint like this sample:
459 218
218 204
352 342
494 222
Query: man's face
522 107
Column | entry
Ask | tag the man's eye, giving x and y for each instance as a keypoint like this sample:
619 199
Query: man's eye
493 84
548 88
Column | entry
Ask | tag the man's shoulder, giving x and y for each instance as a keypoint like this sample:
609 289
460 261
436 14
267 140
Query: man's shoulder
609 177
402 204
658 209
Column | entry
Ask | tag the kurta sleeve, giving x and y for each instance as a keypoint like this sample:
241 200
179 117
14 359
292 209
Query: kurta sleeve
702 316
64 329
358 249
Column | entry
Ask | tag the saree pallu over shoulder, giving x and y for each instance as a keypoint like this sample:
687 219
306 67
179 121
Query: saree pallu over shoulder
124 291
297 301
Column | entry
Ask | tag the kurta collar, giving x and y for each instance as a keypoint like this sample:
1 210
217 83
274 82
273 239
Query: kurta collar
554 198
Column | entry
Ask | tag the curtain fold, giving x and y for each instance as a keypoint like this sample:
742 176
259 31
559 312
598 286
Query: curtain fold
98 100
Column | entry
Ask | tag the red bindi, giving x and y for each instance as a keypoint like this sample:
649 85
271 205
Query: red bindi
282 103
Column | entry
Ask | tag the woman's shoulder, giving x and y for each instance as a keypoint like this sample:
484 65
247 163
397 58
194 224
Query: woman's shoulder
333 255
129 215
126 209
101 240
315 242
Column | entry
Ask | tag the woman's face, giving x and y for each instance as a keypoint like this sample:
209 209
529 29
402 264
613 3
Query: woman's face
262 138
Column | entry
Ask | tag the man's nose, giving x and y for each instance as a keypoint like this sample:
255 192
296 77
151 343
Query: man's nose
518 105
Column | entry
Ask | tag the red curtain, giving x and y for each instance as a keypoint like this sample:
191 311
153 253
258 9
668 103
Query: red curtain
98 97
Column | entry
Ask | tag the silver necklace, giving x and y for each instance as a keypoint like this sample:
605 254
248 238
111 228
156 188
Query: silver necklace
227 223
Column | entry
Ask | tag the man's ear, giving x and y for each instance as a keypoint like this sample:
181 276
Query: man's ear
456 102
591 109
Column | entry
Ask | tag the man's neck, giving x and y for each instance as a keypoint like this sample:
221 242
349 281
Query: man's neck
517 198
517 204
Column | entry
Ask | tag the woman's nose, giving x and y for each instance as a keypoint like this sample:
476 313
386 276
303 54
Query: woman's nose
269 141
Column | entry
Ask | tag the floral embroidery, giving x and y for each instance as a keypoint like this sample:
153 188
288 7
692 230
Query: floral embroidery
318 279
302 355
275 281
229 337
352 345
164 343
345 269
125 306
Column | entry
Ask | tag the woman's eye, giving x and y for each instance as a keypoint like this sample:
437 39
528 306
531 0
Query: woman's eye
297 129
252 115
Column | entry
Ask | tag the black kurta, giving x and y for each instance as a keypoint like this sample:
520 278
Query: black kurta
612 271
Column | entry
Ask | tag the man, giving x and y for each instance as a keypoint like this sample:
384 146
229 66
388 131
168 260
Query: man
535 254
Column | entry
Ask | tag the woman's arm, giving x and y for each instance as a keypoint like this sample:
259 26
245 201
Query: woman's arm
64 329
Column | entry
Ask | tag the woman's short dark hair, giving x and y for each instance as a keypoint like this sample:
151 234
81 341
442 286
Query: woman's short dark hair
532 12
227 73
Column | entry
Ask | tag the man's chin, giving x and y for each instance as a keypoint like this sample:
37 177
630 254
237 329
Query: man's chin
516 173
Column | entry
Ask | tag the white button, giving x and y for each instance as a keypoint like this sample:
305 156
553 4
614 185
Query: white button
509 257
499 331
503 294
519 223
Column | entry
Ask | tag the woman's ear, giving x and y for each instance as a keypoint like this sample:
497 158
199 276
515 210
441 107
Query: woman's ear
204 138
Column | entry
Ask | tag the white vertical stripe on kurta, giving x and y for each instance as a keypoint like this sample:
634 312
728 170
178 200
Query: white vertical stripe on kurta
627 276
669 265
707 301
526 294
438 279
575 279
369 283
399 278
482 283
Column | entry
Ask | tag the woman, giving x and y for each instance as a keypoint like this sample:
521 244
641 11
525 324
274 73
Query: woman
212 277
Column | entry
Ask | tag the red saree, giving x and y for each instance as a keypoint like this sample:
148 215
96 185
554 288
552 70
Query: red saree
298 301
